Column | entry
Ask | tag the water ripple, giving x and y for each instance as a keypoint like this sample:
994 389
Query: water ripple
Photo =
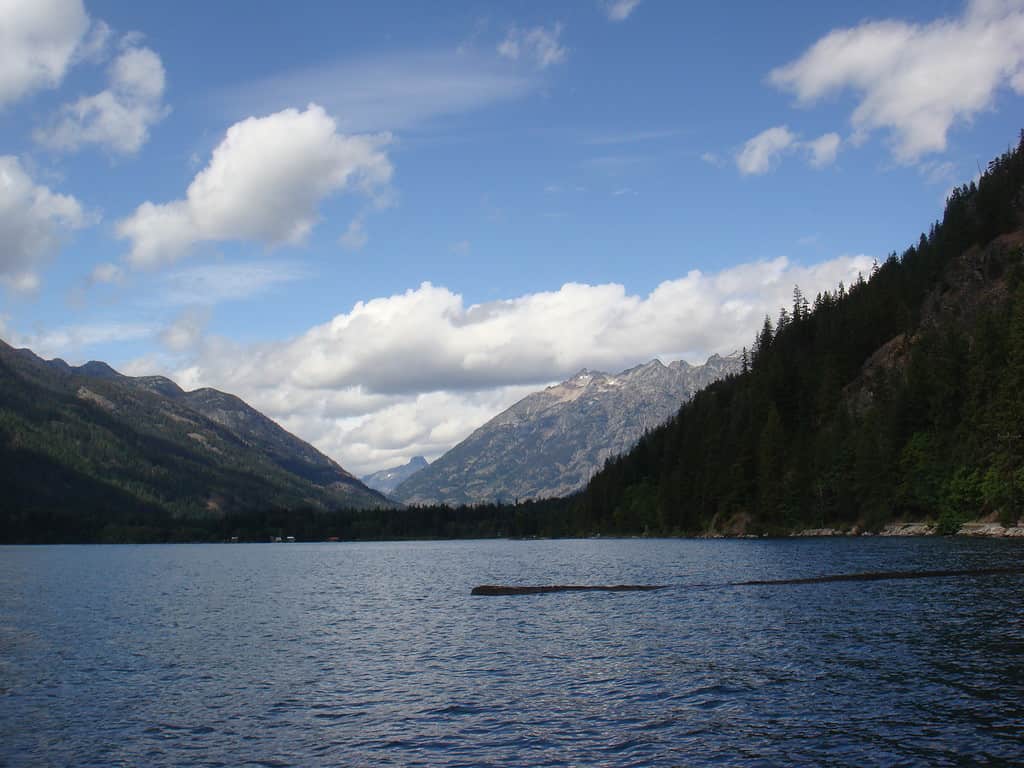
374 654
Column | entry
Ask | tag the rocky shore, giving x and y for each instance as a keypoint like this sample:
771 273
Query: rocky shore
988 530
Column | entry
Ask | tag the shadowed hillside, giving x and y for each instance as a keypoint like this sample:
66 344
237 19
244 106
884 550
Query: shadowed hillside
86 453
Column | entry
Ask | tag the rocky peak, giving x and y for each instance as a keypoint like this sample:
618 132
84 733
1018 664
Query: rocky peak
551 442
386 480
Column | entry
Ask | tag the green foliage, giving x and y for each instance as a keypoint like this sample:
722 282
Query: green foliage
902 396
949 522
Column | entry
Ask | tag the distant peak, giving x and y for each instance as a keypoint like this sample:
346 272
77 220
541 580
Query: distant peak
650 365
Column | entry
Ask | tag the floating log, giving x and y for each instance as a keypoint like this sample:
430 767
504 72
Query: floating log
494 590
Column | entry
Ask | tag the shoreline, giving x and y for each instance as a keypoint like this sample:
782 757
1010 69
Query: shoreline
974 530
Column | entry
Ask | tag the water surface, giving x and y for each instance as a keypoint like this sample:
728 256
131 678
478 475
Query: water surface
375 654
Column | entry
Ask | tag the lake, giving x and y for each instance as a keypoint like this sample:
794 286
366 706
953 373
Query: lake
375 654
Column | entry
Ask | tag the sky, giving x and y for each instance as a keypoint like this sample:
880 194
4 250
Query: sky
383 223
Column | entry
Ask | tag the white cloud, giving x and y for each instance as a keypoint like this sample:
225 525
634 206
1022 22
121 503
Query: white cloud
38 40
186 330
384 92
824 149
211 284
32 221
761 153
354 237
416 372
619 10
916 80
71 340
461 248
119 117
537 44
263 183
94 46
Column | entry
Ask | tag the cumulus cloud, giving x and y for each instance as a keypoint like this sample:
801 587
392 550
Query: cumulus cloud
263 183
539 45
761 153
916 80
416 372
619 10
33 220
764 152
38 41
119 117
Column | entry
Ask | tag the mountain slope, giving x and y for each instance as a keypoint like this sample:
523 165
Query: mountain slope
551 442
386 480
901 397
85 440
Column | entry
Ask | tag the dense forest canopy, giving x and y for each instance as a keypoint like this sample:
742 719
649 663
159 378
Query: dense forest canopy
901 396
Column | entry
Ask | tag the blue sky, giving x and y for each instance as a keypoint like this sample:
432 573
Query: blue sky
384 222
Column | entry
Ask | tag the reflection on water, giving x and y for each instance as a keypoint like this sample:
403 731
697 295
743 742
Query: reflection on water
375 654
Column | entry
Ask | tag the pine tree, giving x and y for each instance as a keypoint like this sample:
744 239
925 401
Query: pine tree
799 304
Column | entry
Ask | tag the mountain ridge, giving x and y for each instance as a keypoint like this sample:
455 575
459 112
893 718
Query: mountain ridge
552 441
160 451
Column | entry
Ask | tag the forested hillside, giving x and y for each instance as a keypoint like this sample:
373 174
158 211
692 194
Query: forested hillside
901 396
87 454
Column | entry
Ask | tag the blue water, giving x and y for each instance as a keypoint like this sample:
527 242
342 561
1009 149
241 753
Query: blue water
375 654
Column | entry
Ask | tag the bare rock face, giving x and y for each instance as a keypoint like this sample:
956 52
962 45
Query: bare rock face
551 442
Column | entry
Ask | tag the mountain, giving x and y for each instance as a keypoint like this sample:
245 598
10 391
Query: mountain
551 442
85 447
386 480
900 397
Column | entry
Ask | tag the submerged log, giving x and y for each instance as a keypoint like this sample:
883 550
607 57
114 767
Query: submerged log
494 590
